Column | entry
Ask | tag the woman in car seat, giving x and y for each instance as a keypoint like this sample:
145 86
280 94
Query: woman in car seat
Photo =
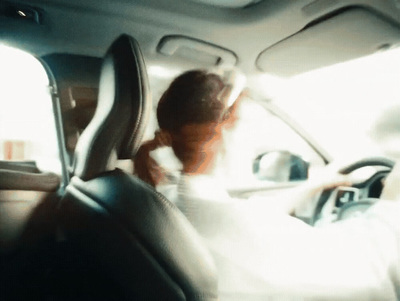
261 252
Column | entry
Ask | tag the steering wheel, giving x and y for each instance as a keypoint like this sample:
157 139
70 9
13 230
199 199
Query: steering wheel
366 203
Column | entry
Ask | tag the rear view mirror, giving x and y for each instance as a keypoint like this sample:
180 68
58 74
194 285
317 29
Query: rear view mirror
280 166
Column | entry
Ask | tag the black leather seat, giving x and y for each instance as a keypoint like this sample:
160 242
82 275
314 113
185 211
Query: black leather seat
139 242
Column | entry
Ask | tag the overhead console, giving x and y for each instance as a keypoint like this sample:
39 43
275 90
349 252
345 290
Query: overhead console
346 35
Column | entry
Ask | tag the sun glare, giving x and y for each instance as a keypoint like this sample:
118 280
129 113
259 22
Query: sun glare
339 104
26 116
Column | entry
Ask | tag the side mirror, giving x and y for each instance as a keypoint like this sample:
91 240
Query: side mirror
280 166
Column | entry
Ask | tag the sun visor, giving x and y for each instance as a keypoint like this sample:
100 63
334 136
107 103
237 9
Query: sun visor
196 51
348 35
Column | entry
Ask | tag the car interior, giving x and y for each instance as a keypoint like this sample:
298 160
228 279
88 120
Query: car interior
93 230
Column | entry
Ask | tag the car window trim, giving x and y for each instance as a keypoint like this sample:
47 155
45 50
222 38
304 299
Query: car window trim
59 126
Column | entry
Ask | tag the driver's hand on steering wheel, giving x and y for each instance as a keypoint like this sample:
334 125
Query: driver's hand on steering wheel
303 194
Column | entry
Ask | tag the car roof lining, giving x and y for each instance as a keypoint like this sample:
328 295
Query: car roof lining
244 31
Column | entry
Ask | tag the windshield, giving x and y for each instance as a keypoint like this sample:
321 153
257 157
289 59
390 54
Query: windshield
351 109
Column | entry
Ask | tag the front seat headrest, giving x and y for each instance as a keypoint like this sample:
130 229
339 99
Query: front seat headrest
122 110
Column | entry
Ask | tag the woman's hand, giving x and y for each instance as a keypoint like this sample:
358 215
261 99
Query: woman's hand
231 115
162 138
301 196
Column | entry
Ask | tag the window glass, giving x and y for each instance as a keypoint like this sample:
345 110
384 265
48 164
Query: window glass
351 108
258 131
27 125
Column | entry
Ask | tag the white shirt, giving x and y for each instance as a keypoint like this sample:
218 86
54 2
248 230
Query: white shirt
263 254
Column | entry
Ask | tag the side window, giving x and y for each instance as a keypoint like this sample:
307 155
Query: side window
27 125
258 132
